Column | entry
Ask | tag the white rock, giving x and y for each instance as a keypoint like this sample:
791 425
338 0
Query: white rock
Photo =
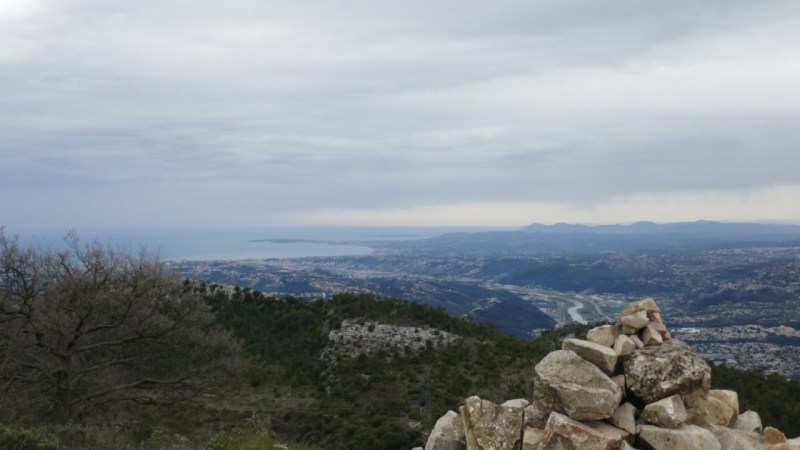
447 434
603 335
685 437
668 412
632 323
599 355
749 421
566 383
520 403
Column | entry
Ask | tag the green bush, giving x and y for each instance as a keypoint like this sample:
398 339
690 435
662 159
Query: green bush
27 439
66 437
254 435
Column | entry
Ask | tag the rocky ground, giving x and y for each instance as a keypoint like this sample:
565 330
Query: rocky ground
356 337
627 386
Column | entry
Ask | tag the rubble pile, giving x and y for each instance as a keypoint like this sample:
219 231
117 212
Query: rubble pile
628 386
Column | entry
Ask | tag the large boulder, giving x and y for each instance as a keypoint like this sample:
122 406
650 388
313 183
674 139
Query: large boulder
447 434
668 412
601 356
566 383
489 426
685 437
563 433
659 371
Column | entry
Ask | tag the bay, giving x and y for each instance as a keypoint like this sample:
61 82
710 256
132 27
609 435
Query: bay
204 244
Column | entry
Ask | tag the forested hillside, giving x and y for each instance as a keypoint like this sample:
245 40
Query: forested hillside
100 349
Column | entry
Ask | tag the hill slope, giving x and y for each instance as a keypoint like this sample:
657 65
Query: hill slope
364 372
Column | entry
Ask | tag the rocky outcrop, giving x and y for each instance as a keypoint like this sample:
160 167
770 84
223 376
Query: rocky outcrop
658 397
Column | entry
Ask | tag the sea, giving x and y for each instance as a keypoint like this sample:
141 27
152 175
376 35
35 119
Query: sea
206 244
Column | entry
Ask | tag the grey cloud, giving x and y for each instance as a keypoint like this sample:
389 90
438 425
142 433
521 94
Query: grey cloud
345 104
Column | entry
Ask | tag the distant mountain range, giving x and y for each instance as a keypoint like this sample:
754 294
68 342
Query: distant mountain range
646 237
698 227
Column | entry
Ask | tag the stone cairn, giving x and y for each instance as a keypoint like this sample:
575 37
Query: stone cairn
627 385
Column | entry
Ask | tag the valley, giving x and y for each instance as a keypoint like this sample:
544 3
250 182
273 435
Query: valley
722 292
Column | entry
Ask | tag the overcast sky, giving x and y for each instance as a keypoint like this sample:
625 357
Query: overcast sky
153 113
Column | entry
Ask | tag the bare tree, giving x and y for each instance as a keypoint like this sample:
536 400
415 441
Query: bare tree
87 330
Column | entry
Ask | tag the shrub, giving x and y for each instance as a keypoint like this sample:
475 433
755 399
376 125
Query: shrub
254 435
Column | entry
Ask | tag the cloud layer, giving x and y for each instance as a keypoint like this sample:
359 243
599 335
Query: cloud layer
177 112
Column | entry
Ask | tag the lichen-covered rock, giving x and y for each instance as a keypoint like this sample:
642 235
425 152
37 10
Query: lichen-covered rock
566 383
659 371
624 417
668 412
601 356
685 437
563 433
749 421
447 434
489 426
603 335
